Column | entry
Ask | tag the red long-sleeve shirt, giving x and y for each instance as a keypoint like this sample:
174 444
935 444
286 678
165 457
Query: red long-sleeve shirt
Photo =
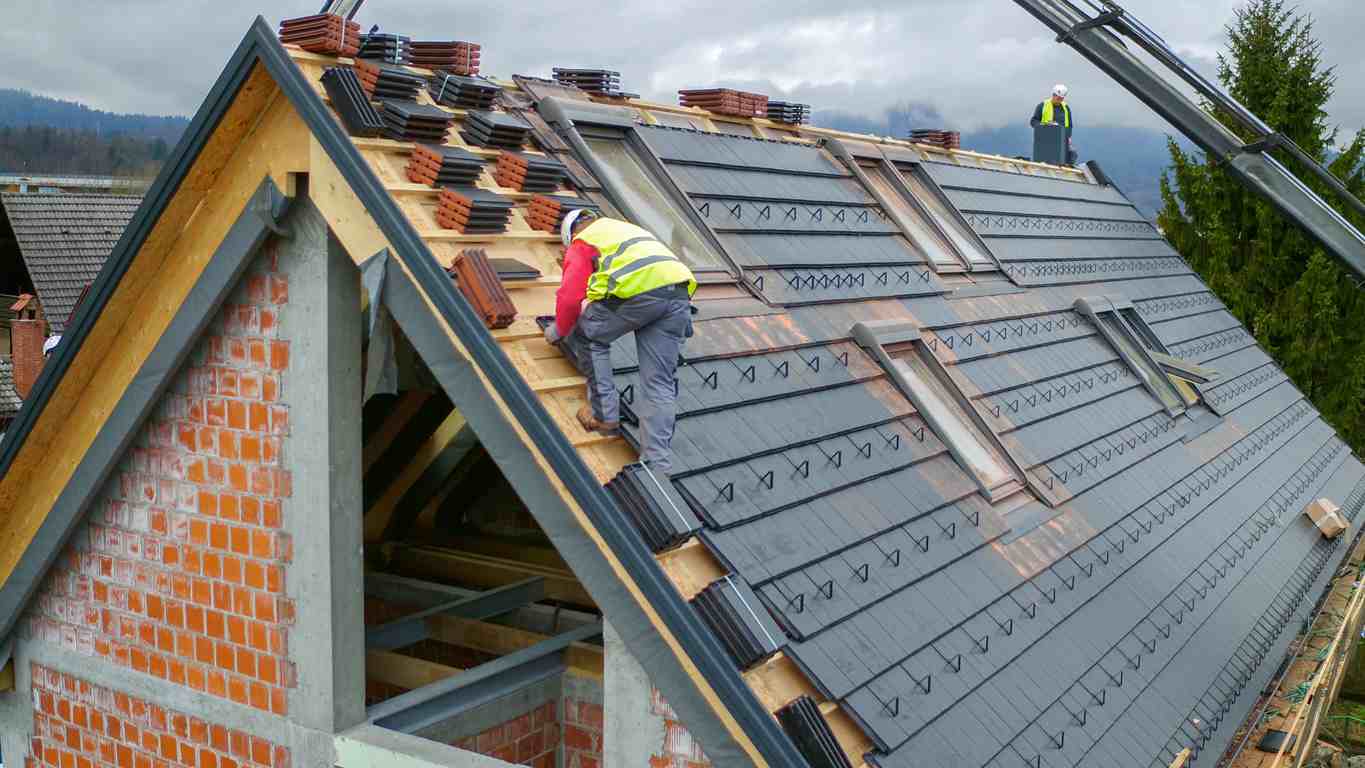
579 263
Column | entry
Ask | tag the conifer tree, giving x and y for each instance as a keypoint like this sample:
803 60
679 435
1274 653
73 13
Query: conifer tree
1304 308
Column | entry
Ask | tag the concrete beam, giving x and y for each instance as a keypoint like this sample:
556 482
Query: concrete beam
369 746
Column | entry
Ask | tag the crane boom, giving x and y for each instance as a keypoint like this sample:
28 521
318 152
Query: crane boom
1095 34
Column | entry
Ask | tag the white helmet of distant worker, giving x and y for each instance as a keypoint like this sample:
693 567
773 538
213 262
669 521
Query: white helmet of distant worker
1059 90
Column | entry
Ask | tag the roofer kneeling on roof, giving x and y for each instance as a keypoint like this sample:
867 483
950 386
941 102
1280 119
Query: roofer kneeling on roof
1054 111
631 282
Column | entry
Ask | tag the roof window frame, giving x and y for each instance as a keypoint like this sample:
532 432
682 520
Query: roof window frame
578 122
899 168
942 405
1112 318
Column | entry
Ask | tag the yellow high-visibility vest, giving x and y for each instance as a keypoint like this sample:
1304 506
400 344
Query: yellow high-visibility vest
631 261
1048 116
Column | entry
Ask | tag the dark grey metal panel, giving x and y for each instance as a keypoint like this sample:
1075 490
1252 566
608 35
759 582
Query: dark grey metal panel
989 202
1007 183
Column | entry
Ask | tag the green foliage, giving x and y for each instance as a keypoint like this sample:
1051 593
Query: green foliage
1298 301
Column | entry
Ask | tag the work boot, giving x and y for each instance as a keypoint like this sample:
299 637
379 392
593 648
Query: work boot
594 424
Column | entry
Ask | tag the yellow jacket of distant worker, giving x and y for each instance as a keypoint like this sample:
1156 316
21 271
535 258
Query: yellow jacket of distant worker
631 261
1048 117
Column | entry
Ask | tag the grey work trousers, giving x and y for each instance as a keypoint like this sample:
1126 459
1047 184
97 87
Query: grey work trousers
662 321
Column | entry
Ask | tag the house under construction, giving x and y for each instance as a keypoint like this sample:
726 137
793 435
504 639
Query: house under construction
971 469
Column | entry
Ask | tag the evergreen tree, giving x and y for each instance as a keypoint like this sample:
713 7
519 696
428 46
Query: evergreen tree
1302 306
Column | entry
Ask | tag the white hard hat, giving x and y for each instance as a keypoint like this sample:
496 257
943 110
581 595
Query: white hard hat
1059 90
566 227
50 343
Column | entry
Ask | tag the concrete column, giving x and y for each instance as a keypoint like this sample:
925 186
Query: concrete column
323 384
632 732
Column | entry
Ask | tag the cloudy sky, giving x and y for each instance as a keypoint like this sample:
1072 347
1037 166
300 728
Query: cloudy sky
981 63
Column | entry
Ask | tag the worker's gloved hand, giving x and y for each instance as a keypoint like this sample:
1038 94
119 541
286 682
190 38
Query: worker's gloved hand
552 334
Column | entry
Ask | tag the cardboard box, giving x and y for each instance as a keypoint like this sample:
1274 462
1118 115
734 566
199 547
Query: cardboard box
1326 515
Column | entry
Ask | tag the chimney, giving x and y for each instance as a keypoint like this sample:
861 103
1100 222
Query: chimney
27 333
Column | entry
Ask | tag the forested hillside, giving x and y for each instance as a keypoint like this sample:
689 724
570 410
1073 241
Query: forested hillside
21 108
44 149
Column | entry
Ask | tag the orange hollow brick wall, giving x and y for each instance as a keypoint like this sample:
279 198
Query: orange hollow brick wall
530 739
679 749
180 569
79 725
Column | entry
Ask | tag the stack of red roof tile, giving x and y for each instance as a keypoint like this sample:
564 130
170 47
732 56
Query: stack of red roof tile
545 212
937 138
724 101
454 56
322 33
388 81
528 173
441 166
479 282
471 211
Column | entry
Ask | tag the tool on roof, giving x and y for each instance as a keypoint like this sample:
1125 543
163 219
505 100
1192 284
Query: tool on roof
528 173
454 56
324 33
471 210
462 91
351 102
495 129
726 101
442 166
479 282
1099 34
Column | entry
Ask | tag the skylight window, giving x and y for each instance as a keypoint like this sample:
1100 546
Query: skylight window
1134 348
912 219
632 186
928 195
898 347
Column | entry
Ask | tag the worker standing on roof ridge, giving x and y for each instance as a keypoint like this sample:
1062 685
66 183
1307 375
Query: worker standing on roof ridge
618 278
1054 110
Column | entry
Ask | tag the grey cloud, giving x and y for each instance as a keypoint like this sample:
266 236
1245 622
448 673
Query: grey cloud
978 63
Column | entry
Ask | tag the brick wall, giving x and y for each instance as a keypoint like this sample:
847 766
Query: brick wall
528 739
179 571
582 734
679 749
80 725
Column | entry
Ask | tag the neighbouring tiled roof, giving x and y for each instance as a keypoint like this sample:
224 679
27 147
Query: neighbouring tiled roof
1157 586
10 401
64 240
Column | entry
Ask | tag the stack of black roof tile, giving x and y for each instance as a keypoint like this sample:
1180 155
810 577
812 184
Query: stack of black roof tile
810 732
546 212
410 121
600 82
323 33
528 173
462 92
441 166
392 49
495 129
738 618
351 102
456 56
471 210
388 81
660 515
788 112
